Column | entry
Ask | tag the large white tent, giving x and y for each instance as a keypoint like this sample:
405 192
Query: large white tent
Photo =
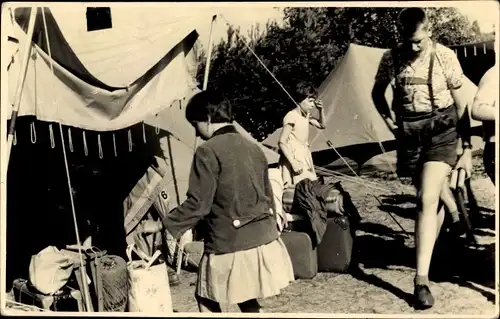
139 73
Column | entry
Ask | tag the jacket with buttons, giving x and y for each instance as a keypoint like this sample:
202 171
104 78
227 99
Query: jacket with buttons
230 192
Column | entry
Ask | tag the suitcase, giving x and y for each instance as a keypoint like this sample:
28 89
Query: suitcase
287 200
304 257
336 247
67 299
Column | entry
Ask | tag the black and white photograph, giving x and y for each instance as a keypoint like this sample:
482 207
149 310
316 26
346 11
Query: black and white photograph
298 159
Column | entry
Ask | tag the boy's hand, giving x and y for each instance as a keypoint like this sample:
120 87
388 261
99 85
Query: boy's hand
465 162
319 104
391 125
150 226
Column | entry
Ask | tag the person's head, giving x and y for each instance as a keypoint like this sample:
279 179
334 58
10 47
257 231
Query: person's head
414 29
306 98
207 111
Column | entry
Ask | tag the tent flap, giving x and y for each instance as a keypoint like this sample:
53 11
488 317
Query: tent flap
68 98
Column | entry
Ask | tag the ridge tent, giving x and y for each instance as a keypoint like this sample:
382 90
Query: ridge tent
353 125
103 107
120 94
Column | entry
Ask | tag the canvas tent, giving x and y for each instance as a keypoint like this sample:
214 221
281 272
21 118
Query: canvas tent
353 126
120 94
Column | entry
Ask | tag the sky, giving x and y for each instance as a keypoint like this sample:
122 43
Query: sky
240 16
245 15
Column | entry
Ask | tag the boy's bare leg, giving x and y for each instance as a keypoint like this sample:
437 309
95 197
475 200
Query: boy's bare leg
433 177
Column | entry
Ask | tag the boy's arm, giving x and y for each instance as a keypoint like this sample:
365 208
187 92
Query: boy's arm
282 143
383 78
484 108
454 75
319 123
200 195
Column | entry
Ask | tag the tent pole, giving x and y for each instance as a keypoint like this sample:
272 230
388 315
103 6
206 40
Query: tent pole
81 274
20 82
207 65
180 252
209 56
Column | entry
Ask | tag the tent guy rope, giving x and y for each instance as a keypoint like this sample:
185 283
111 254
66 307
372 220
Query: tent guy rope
283 88
328 142
286 92
85 293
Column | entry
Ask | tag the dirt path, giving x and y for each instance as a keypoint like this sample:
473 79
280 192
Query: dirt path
384 283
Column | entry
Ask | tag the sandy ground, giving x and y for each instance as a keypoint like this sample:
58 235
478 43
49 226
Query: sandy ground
462 277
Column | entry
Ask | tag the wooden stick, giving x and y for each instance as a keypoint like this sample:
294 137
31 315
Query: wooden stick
20 82
180 250
209 56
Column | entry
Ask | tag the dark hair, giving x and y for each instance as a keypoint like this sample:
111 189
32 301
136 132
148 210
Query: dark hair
410 19
209 104
303 93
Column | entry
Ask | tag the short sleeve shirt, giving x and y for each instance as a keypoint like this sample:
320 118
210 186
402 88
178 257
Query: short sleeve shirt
300 124
447 75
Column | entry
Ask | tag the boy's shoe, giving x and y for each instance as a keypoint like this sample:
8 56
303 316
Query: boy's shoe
423 296
173 278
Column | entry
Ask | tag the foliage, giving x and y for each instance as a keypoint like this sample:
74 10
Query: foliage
303 51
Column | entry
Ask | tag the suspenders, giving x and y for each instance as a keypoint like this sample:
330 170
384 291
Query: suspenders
429 75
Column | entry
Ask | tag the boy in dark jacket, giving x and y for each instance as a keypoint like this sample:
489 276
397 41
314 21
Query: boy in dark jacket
229 189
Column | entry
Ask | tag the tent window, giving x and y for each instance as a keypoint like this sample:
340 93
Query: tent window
98 18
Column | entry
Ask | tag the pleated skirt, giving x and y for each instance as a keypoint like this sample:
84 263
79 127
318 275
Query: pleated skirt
233 278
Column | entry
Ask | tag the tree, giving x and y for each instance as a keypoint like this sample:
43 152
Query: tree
479 35
449 26
476 30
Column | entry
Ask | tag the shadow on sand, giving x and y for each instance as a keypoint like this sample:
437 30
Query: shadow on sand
453 260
